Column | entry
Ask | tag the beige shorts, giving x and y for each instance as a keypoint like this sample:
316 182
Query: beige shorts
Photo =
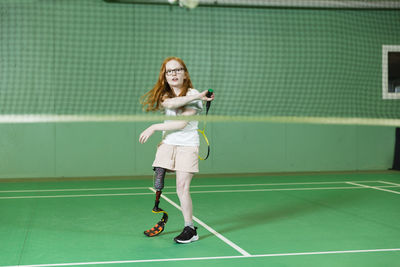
177 158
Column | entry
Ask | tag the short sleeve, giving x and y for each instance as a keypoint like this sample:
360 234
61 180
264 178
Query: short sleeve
196 104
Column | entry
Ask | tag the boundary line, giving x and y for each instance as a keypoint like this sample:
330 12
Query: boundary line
214 258
275 189
193 186
205 192
384 182
61 196
211 230
73 189
374 187
273 184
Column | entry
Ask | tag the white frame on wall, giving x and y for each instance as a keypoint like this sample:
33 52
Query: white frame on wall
385 79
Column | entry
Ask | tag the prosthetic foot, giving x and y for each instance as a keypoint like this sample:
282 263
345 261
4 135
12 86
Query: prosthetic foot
159 185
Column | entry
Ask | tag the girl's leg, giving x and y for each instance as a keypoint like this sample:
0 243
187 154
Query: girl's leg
189 233
183 180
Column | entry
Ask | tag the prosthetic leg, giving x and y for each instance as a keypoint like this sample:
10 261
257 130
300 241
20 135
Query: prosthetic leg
159 175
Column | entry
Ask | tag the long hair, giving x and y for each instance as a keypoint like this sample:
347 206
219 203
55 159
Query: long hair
151 101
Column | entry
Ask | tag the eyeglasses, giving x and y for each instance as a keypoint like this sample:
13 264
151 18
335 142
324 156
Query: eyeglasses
177 71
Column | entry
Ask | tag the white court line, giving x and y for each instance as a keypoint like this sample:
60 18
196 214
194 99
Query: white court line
197 192
92 195
269 190
72 189
213 258
229 185
193 186
193 192
389 183
374 187
226 240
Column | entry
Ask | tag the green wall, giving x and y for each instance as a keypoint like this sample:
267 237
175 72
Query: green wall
112 149
92 57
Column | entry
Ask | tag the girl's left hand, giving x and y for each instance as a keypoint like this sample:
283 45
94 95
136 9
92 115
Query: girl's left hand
203 96
146 135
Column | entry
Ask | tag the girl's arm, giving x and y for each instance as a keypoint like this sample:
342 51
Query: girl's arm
166 126
180 101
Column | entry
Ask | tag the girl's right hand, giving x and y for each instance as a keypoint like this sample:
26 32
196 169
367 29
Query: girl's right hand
145 135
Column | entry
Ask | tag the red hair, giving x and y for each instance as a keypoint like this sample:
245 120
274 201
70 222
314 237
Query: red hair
151 101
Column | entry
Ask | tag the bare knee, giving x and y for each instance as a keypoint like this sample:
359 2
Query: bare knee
181 188
183 183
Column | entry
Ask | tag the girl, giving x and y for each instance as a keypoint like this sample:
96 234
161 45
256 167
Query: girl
178 151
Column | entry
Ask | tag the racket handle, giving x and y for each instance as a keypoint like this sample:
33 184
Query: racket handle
209 94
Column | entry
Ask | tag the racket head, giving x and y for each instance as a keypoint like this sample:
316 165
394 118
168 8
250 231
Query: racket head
204 147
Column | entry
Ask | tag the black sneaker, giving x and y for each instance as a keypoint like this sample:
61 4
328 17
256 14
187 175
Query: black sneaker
188 235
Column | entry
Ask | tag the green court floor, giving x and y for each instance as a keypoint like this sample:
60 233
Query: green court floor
272 220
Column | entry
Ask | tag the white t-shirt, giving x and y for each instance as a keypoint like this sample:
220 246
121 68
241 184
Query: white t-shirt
188 136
